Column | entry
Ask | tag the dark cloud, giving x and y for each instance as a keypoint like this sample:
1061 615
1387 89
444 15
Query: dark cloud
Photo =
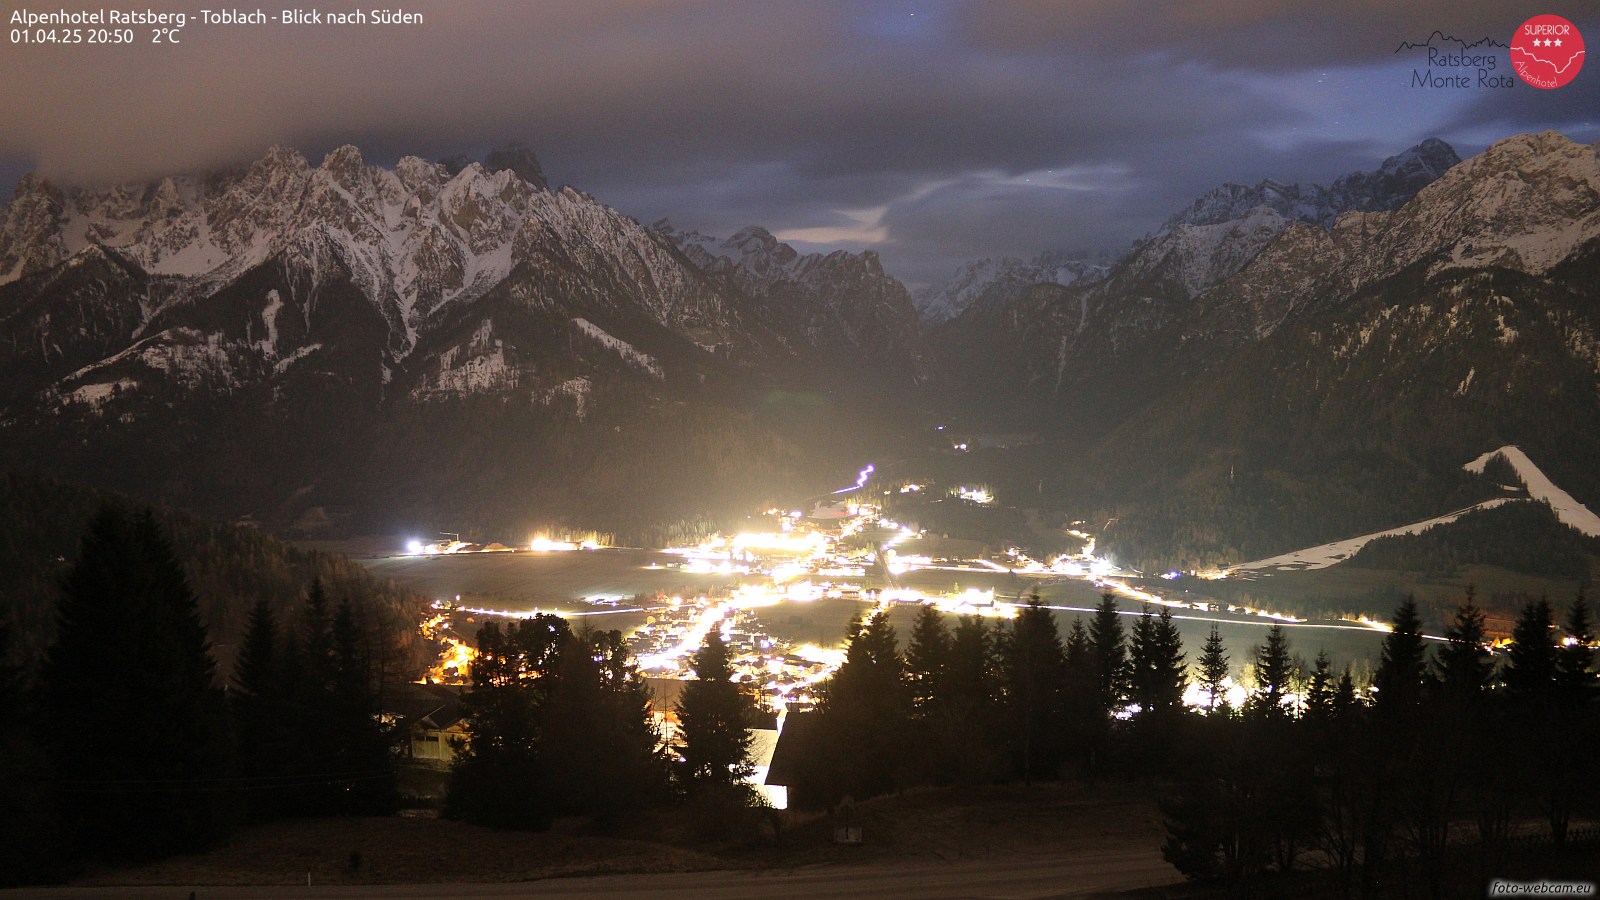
929 130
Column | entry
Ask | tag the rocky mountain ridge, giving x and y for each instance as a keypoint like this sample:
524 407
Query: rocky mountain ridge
475 277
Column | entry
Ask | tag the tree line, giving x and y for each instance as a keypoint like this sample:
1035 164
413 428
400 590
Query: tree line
127 743
1367 785
1524 537
229 567
978 704
561 725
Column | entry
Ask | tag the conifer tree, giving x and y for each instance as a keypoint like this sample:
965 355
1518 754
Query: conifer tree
316 658
1575 670
1274 673
928 658
966 748
1156 663
1345 700
1320 692
1080 693
970 683
641 763
714 715
257 671
1402 673
1169 671
868 710
1141 665
1109 650
1033 666
359 743
501 778
598 741
1214 670
1464 665
264 724
131 712
1531 669
1078 649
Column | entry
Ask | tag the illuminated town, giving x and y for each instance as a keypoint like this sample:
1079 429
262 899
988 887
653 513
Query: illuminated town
843 548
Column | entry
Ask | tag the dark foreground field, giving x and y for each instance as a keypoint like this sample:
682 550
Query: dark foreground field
1002 842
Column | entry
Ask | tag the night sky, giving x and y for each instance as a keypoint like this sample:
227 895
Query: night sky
931 132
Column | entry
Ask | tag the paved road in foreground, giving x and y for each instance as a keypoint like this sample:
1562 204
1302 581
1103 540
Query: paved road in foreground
1014 878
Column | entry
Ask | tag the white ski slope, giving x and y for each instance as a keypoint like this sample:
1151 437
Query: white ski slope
1540 487
1325 555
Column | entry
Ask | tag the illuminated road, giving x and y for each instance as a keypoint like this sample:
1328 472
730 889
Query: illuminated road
1083 874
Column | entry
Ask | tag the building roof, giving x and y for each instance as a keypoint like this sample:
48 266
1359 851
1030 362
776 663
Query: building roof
425 706
800 736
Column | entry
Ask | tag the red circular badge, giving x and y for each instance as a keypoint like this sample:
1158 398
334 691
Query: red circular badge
1547 51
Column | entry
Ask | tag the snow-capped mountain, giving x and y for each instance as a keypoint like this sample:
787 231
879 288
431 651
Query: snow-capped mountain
1051 341
837 306
439 279
1526 204
1196 248
1224 229
1389 186
1329 382
992 282
289 338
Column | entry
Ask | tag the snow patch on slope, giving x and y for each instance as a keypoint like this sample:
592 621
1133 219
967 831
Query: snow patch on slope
269 321
96 395
1325 555
620 347
299 353
576 390
1540 487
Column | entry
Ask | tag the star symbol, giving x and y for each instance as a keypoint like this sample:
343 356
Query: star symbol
1558 42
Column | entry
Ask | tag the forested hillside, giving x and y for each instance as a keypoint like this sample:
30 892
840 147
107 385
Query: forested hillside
230 568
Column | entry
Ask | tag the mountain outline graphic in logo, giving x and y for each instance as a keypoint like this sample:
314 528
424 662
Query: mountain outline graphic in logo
1443 38
1547 52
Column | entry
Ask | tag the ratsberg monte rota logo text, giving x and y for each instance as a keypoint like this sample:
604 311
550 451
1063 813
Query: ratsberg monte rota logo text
1547 51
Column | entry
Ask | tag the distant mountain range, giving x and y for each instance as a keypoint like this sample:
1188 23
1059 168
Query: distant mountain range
988 284
1280 366
341 299
348 346
428 280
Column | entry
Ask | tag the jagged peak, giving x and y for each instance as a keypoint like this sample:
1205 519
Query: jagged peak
345 159
1531 143
454 164
414 164
280 155
518 159
33 183
666 228
467 173
752 234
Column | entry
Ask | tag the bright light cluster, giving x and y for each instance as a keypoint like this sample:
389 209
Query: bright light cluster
777 542
979 495
546 545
